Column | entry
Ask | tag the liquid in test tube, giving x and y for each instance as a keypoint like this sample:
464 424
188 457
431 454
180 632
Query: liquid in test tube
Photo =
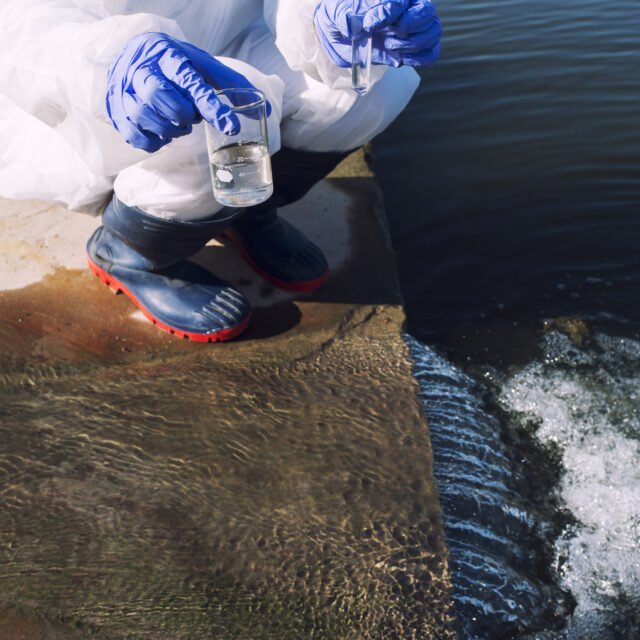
360 52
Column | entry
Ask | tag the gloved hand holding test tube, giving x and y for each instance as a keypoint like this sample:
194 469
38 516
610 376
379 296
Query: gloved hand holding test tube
359 33
361 51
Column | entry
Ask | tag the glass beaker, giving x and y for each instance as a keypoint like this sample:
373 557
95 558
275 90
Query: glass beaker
240 164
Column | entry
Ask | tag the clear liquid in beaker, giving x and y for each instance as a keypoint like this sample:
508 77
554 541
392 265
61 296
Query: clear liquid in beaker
241 174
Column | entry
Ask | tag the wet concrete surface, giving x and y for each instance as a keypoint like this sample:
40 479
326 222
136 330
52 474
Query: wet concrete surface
277 486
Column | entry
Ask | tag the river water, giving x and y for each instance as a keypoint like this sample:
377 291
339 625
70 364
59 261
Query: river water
515 222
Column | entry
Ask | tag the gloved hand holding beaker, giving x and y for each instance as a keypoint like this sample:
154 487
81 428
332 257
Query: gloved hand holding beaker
158 87
404 32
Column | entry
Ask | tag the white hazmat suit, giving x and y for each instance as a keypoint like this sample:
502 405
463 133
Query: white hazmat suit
58 143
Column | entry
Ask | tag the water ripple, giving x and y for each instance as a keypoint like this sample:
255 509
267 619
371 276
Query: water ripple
497 537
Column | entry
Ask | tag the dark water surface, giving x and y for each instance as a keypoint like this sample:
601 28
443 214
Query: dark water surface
521 198
517 209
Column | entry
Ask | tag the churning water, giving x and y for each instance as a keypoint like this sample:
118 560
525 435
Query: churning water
540 492
498 539
586 403
519 208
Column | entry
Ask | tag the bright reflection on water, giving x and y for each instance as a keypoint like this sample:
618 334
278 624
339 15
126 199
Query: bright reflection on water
500 524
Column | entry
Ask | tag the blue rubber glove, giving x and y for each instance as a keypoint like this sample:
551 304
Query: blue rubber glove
403 31
157 87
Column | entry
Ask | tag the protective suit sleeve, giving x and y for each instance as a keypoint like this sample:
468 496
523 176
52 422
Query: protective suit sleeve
291 21
54 61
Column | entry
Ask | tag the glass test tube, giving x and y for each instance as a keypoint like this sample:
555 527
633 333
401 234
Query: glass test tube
360 53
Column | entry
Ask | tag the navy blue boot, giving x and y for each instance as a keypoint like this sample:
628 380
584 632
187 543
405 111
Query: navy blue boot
273 247
143 257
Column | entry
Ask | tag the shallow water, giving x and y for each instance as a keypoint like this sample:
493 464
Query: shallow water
520 208
196 497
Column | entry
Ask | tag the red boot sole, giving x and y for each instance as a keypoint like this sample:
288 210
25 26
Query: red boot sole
304 286
117 287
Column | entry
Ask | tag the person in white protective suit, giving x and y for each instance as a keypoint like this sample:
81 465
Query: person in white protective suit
103 102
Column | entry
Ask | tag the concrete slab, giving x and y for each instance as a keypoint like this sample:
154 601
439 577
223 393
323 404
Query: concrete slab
278 486
53 309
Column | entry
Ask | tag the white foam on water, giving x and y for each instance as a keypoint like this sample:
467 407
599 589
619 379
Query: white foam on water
587 403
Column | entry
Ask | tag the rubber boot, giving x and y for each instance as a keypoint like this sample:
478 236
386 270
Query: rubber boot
143 257
274 248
